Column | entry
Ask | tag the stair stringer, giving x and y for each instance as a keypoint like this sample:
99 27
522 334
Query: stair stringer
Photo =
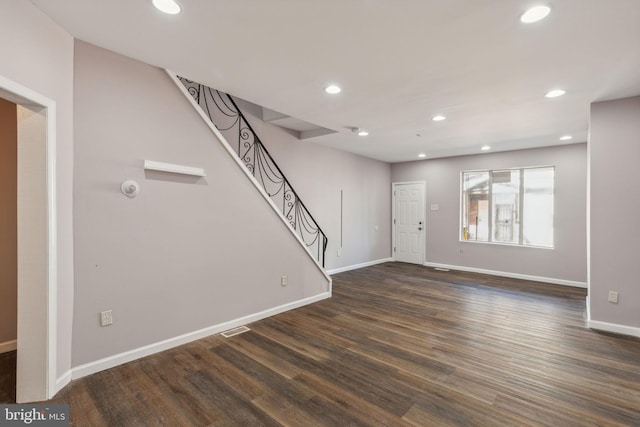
223 141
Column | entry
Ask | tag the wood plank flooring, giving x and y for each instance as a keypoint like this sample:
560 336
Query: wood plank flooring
8 377
396 345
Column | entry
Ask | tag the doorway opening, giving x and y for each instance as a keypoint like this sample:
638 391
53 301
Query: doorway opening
36 242
8 249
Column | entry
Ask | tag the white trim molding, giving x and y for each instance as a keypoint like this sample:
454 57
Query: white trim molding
63 380
588 307
8 346
551 280
357 266
24 96
615 328
52 250
128 356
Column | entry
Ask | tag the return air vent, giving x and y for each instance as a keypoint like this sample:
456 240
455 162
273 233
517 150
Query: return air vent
235 331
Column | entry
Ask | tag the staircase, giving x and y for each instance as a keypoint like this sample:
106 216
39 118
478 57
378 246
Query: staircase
223 113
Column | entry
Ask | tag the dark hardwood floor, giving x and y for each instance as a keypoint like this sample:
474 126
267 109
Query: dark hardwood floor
8 377
396 345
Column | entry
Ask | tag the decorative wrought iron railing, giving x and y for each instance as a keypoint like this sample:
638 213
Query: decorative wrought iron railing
229 120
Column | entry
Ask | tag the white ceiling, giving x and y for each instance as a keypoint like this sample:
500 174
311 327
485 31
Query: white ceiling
399 62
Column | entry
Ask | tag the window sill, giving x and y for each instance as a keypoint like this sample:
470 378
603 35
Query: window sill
514 245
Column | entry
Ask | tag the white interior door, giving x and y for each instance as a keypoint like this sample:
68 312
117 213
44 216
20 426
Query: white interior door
409 222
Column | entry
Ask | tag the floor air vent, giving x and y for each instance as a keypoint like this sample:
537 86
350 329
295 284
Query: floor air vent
235 331
441 269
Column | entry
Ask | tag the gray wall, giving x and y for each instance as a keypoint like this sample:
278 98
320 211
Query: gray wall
183 255
38 54
567 261
318 174
614 152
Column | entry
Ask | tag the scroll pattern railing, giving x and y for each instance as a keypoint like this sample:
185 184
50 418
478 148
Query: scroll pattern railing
229 120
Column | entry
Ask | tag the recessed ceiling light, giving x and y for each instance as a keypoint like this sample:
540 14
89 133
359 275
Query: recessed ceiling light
363 133
422 155
333 89
535 14
555 93
438 118
170 7
566 138
485 147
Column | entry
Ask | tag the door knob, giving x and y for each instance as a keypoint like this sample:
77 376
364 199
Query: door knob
419 228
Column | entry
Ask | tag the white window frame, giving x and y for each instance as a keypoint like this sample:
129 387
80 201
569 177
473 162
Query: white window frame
490 213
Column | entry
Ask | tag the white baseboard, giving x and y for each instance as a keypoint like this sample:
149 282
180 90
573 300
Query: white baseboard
615 328
128 356
588 306
63 380
8 346
510 275
357 266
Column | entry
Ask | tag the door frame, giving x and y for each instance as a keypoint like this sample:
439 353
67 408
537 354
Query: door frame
37 262
423 241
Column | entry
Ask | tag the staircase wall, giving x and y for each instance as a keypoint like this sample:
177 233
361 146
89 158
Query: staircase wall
319 174
184 257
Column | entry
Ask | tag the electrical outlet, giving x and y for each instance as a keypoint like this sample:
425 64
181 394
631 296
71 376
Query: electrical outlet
106 318
284 280
613 297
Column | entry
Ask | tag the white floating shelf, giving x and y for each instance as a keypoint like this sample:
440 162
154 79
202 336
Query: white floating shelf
173 168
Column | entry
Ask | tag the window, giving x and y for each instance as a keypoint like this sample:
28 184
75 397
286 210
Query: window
510 206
